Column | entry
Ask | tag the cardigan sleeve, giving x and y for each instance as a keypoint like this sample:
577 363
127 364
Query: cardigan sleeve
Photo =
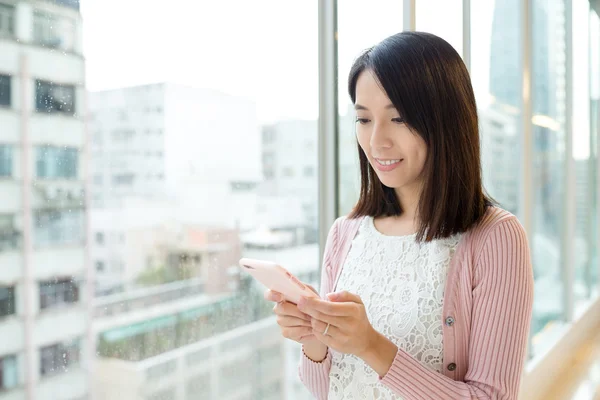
315 375
502 304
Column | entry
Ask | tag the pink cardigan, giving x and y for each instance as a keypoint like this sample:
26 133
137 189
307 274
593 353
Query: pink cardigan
488 301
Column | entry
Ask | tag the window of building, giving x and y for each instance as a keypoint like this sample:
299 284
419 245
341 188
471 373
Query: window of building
58 358
54 227
100 266
58 292
5 82
7 20
10 236
54 98
7 300
8 372
288 172
55 31
309 172
123 179
99 238
53 162
6 161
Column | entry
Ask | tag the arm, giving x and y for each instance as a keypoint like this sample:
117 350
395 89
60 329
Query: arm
315 375
502 305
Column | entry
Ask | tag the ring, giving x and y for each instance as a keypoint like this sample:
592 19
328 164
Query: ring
326 329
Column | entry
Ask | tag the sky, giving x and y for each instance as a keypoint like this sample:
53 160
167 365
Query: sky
267 50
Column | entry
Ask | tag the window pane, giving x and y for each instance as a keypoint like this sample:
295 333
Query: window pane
203 160
548 103
496 39
5 83
444 19
594 264
382 18
583 242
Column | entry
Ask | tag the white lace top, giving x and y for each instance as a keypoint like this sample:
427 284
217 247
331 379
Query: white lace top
402 286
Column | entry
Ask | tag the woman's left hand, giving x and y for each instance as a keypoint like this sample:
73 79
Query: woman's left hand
349 328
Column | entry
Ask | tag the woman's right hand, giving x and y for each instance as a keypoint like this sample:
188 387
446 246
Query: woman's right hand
294 324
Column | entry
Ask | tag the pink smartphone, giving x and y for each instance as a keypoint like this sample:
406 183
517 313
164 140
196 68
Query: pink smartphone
277 278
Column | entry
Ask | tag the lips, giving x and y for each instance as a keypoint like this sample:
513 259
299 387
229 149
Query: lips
387 165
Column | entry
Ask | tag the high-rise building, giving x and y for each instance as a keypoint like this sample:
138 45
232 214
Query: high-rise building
44 295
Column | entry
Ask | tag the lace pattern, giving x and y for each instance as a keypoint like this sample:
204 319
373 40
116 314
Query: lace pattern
402 285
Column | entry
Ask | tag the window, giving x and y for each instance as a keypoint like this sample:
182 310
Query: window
351 42
309 172
99 238
50 30
57 162
9 378
100 266
59 357
5 85
54 98
10 236
54 227
7 20
6 160
123 179
57 293
7 300
446 22
287 172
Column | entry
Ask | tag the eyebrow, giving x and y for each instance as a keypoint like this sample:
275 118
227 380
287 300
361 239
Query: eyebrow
360 107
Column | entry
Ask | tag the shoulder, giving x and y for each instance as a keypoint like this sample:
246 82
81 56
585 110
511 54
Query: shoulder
498 231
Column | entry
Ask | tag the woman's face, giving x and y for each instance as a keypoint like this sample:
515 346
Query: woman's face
396 154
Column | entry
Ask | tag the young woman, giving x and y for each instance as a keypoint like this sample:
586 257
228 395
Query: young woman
427 287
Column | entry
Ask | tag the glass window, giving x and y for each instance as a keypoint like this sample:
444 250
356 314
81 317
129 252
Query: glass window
6 160
54 98
9 377
7 300
585 185
359 28
58 358
54 31
57 162
57 293
7 20
5 83
443 19
55 226
548 129
593 267
10 235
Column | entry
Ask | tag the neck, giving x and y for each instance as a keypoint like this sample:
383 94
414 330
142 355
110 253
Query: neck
409 201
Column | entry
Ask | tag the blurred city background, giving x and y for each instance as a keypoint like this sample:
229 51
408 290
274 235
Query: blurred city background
146 146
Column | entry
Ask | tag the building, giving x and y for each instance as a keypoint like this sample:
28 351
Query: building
289 166
44 295
170 141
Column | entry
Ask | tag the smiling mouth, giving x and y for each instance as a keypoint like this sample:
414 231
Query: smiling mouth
388 162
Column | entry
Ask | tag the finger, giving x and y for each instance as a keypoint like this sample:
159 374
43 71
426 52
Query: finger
286 308
313 289
284 320
327 340
320 326
295 333
328 319
344 296
326 307
272 295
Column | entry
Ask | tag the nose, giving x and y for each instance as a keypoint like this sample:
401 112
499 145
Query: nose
380 138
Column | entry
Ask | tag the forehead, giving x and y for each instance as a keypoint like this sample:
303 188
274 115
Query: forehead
369 92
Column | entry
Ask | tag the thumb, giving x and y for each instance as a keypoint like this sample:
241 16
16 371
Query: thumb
344 296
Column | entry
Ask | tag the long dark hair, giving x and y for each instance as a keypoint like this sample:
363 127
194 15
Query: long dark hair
428 83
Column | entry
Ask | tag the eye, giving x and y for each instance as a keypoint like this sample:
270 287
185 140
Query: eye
362 121
398 120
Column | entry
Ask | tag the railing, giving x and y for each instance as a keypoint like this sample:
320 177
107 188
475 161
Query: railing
142 298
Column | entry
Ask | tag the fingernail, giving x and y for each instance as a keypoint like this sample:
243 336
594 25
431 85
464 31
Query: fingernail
302 302
331 296
277 298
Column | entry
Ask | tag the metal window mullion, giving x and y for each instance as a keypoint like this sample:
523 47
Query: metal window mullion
568 201
466 32
526 189
409 17
328 193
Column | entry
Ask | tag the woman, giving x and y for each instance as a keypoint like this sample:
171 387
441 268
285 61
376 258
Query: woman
427 287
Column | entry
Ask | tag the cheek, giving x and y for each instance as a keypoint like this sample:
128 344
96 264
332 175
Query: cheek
364 140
